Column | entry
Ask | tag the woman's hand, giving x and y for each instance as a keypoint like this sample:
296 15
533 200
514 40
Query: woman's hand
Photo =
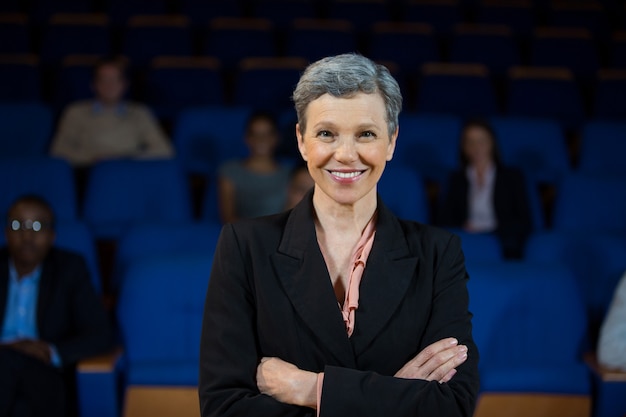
437 362
287 383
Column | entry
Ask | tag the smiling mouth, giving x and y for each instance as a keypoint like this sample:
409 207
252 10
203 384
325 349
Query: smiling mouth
346 175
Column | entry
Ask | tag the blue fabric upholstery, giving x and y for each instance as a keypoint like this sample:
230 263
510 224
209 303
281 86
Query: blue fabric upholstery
528 342
160 314
122 193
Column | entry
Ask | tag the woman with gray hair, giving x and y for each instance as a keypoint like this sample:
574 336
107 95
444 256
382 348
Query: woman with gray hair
337 307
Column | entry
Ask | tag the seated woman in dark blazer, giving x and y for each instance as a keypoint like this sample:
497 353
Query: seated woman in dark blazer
485 196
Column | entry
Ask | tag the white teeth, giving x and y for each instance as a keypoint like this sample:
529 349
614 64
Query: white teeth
346 174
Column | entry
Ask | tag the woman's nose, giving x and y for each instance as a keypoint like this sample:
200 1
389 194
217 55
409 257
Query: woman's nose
346 150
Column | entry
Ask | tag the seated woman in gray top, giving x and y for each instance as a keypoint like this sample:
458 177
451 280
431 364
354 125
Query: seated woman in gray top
257 185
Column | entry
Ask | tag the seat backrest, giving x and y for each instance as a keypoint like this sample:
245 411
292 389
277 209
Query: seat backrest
545 93
519 16
25 129
596 260
414 44
159 311
516 301
267 83
565 47
206 136
590 203
231 39
145 37
490 45
537 146
122 193
72 34
442 15
16 27
464 90
602 146
313 39
609 96
429 143
163 239
479 247
402 190
49 178
175 83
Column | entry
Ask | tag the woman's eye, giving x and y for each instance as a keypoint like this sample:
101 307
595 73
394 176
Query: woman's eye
368 134
324 134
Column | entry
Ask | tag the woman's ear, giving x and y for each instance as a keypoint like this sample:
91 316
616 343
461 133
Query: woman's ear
392 144
300 138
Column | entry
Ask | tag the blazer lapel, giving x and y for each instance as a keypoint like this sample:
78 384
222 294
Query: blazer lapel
388 273
302 271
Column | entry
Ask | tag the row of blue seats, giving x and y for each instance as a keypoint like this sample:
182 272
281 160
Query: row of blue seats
528 343
174 84
205 136
230 40
595 15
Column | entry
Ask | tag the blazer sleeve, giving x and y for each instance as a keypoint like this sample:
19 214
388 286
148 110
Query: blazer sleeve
71 316
453 207
363 393
229 352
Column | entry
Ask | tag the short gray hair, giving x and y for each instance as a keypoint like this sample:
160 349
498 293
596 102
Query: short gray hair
344 76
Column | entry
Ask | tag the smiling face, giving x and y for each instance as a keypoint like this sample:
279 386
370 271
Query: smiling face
346 145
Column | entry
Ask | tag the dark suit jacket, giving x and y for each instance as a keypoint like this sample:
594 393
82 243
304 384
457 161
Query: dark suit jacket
510 200
69 313
511 206
270 294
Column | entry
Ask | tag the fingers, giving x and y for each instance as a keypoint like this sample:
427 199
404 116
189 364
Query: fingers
435 362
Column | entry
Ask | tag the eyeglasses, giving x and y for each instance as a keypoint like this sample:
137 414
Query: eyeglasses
34 225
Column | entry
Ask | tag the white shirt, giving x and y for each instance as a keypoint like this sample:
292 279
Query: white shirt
481 213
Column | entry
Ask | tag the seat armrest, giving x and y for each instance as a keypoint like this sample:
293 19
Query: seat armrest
98 382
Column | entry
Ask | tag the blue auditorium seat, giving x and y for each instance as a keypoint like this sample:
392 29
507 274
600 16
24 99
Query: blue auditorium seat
545 93
147 36
16 27
603 145
282 12
231 39
402 190
491 45
267 83
121 11
75 34
408 45
464 90
572 48
519 16
20 79
206 136
200 12
361 13
609 95
159 312
479 247
126 192
176 83
157 240
590 204
49 178
529 343
313 39
72 80
597 261
537 146
442 15
429 144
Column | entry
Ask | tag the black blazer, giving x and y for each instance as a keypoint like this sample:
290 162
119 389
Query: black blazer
69 313
510 200
270 294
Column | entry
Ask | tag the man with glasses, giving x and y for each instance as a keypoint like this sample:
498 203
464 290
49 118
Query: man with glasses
50 315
